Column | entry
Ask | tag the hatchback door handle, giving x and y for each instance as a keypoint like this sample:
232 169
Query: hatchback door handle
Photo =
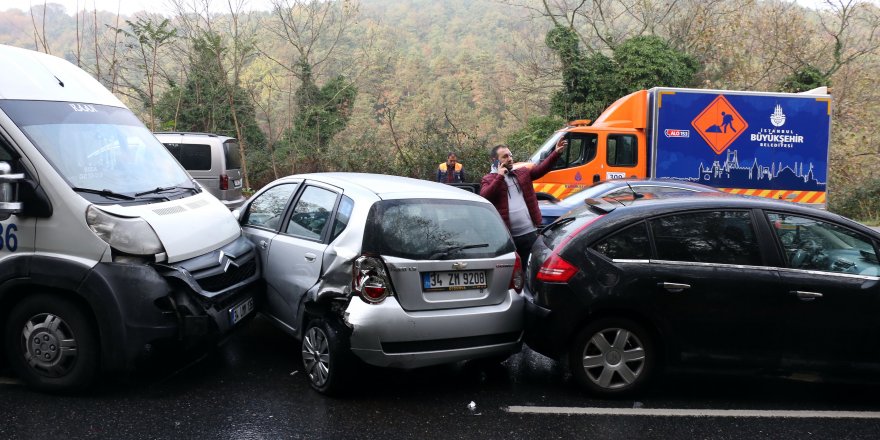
263 244
310 257
674 287
806 296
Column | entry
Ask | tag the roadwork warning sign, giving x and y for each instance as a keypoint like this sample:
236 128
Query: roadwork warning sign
719 124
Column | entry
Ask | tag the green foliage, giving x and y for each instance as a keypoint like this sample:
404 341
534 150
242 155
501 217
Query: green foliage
859 202
537 130
203 104
807 78
592 83
321 114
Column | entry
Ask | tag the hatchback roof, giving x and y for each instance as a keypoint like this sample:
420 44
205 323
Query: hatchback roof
392 187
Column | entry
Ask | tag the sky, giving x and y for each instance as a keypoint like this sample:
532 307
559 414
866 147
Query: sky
127 7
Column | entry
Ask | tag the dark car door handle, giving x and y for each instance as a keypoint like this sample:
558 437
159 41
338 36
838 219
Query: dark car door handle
806 296
310 257
675 287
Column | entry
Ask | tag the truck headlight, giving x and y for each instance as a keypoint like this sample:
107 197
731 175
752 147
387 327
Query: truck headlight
133 236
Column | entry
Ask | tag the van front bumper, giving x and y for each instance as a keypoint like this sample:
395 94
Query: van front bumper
386 335
141 309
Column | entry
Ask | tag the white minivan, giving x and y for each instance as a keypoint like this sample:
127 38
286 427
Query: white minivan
108 250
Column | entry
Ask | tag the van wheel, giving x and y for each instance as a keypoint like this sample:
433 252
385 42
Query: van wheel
612 357
51 344
325 356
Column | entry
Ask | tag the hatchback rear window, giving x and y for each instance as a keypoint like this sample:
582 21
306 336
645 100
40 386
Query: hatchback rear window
422 229
233 155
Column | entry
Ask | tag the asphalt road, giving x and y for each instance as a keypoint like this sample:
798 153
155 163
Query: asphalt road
253 388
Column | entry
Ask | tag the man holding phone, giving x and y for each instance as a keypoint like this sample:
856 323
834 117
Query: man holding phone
513 195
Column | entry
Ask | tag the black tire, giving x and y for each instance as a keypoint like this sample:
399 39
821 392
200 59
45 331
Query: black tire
598 357
326 357
51 344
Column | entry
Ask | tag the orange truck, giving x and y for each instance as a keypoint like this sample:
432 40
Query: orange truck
755 143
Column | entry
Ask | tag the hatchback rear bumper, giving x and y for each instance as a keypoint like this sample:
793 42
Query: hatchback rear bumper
385 335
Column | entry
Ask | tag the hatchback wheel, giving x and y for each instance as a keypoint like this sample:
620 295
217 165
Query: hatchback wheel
51 344
325 357
612 357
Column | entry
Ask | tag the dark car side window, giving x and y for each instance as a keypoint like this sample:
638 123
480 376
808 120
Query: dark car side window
722 237
343 215
816 245
267 209
311 213
631 243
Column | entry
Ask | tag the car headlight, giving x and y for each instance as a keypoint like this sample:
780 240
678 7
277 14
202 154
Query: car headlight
133 236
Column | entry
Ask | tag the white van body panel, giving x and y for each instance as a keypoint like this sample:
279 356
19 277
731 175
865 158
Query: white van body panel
35 76
187 227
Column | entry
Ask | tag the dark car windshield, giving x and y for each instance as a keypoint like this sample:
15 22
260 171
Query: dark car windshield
97 147
421 229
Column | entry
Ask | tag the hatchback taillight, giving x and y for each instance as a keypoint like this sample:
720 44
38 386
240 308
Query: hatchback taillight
370 280
224 182
556 270
516 279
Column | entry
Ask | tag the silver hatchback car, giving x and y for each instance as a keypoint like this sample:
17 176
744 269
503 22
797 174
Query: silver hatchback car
395 272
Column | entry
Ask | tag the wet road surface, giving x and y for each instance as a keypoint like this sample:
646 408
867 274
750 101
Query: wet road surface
253 388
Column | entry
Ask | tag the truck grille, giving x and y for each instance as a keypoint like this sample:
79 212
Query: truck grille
231 277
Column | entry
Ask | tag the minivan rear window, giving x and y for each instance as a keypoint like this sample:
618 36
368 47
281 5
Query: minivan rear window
421 229
233 156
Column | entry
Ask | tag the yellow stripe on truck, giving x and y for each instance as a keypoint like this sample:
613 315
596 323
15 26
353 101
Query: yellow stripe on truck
792 196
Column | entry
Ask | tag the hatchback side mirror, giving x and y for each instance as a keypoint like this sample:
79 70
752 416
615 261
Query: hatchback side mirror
9 201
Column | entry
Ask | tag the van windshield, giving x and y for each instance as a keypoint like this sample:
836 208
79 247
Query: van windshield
97 147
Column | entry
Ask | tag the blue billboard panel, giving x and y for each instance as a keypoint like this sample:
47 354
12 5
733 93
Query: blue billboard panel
736 140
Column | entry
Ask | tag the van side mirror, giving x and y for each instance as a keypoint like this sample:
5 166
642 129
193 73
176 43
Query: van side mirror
9 201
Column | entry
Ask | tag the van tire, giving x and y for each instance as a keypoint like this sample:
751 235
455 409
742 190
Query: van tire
327 359
51 344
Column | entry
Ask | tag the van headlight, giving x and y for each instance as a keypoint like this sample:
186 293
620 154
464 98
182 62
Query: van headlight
133 236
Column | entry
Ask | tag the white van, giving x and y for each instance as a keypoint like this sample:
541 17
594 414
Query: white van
108 250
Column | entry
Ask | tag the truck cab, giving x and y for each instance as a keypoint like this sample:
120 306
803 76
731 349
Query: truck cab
612 147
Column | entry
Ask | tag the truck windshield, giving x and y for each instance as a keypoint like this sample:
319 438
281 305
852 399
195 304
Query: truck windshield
97 147
546 148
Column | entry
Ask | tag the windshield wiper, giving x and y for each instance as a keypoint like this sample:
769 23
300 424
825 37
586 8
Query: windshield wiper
104 192
557 223
161 189
452 249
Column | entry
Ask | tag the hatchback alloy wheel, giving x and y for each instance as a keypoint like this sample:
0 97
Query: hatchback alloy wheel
316 356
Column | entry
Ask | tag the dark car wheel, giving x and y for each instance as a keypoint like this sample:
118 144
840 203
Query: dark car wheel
325 356
612 357
51 344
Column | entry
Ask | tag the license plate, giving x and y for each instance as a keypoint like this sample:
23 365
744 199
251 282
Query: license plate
458 280
241 310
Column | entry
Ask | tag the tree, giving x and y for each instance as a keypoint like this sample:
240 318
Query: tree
201 103
147 40
321 114
593 82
